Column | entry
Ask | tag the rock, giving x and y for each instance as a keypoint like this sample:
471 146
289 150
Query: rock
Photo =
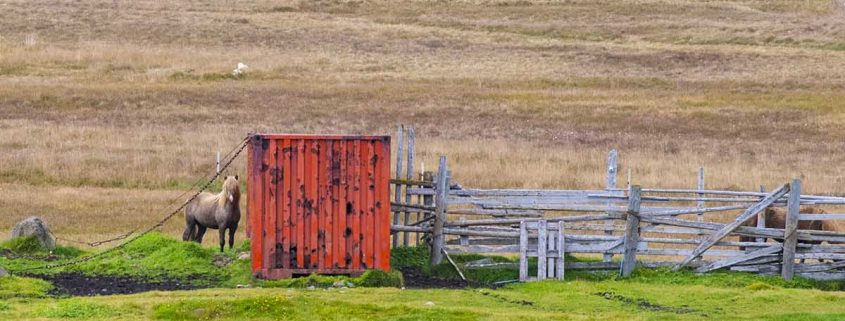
311 287
34 226
244 256
3 272
221 260
339 284
429 303
241 286
350 285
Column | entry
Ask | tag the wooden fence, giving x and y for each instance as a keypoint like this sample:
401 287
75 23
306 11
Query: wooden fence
639 226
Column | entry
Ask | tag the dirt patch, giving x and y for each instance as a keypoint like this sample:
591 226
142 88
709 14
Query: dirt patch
77 284
644 304
506 300
415 278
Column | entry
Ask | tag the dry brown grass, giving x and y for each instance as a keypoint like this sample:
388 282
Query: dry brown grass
107 109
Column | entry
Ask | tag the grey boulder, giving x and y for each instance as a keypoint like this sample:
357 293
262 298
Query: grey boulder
35 227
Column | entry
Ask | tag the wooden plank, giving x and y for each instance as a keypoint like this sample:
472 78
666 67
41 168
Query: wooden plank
409 174
420 191
684 211
790 230
464 238
542 250
761 218
496 213
612 169
700 203
773 249
723 192
440 213
728 228
324 219
382 215
803 235
368 217
632 233
526 192
820 217
523 252
312 184
561 247
400 136
574 218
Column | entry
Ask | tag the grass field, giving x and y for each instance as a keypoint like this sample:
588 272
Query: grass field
647 295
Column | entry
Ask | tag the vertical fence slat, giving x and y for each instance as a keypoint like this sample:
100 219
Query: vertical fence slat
409 174
400 135
612 168
523 251
761 218
550 260
542 250
437 238
561 251
700 204
632 232
790 236
428 200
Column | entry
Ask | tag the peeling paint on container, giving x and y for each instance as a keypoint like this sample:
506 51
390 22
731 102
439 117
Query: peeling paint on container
318 204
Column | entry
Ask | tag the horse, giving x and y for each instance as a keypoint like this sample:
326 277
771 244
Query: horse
776 218
216 211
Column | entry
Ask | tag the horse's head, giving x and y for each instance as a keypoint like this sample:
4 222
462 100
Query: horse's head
232 189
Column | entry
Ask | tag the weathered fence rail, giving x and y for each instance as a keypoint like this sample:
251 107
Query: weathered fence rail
626 228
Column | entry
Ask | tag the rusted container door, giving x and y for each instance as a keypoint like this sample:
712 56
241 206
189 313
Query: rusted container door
318 204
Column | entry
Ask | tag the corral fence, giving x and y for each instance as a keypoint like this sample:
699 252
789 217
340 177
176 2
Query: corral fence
622 227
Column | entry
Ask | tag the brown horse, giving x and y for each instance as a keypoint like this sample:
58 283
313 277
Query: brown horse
776 218
216 211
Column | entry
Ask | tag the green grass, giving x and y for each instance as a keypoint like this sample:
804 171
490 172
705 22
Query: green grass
21 287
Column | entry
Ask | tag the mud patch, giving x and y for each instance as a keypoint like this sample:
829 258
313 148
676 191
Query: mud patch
77 284
415 278
644 304
507 300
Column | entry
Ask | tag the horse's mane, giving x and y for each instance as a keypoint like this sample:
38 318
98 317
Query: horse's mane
230 185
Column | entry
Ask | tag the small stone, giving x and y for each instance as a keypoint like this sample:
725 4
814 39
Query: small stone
429 303
402 288
339 284
3 272
241 286
311 287
344 288
243 256
350 285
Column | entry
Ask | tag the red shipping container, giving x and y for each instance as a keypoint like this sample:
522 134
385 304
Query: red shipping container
318 204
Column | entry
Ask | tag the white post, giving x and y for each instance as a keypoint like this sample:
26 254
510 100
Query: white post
218 161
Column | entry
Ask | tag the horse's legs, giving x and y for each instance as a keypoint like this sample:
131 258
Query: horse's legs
190 225
222 237
200 233
232 229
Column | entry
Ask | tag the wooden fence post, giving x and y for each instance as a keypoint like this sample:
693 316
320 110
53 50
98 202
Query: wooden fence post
400 135
632 232
428 200
561 251
523 251
790 238
612 168
437 237
761 218
410 175
700 204
542 249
